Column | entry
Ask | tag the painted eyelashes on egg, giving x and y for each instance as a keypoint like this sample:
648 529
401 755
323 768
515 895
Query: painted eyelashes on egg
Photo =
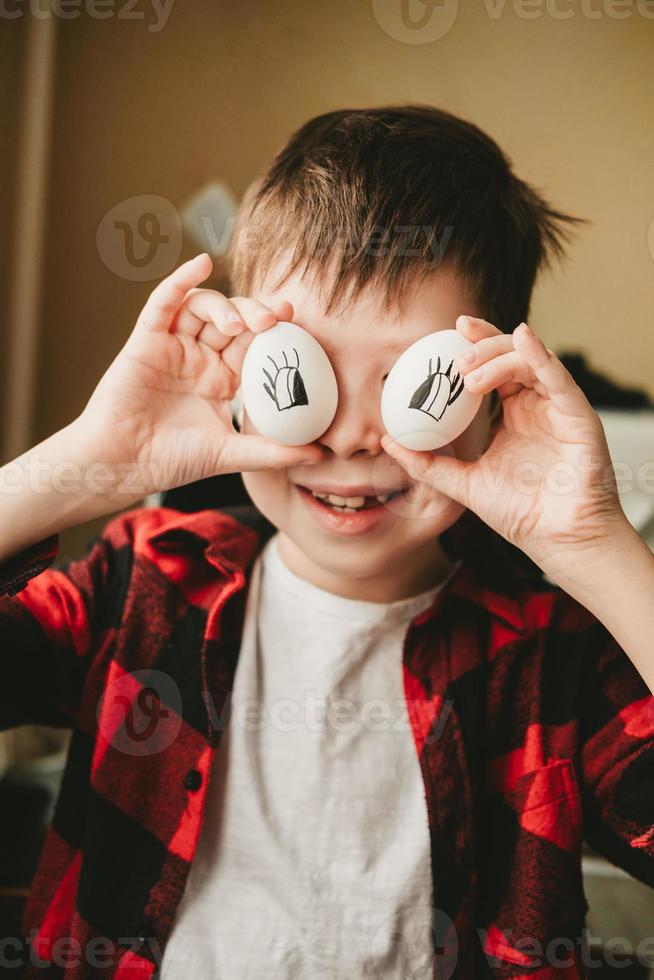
437 392
286 387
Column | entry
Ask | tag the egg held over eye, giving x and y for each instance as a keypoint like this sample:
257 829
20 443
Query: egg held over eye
424 403
288 385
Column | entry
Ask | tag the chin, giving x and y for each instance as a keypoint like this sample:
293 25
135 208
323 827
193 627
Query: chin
403 532
354 545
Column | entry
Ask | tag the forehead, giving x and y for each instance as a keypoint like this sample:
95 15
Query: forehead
362 324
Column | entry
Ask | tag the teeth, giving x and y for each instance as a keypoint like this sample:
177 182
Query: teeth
349 504
353 502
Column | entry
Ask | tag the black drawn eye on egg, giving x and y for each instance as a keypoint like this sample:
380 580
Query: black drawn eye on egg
286 386
439 390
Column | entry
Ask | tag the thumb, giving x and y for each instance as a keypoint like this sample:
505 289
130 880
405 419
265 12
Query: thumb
437 469
253 452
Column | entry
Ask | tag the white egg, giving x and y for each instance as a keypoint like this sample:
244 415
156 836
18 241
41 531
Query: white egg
424 403
288 385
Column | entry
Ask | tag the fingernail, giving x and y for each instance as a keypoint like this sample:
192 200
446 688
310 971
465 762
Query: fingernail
527 328
234 316
468 355
463 321
477 375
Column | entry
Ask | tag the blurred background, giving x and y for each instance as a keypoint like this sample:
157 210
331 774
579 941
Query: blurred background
130 131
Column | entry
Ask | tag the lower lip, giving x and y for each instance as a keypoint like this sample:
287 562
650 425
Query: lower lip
343 522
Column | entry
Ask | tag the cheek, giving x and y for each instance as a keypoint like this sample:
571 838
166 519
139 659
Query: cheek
268 491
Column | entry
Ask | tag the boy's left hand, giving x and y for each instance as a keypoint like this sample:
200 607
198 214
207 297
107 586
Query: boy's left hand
546 482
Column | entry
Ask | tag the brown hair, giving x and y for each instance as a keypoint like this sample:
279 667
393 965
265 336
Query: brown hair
382 196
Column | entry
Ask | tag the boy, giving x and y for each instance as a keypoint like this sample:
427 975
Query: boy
496 715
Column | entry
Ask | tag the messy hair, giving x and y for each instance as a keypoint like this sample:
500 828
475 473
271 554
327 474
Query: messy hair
382 197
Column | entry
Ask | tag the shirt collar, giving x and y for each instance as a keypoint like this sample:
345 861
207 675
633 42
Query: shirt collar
229 538
493 575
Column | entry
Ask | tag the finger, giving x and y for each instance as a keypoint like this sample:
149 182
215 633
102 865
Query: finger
208 307
482 351
213 333
508 389
217 339
435 469
243 453
500 370
554 378
473 327
234 354
256 315
282 308
164 301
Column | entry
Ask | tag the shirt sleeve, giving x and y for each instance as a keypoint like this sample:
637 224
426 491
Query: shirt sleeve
50 622
617 754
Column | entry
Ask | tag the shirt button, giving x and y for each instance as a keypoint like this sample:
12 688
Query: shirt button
193 780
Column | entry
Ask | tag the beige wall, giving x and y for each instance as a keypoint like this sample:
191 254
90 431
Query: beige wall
217 90
12 37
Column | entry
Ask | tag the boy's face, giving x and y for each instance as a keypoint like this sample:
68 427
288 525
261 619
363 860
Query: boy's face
398 554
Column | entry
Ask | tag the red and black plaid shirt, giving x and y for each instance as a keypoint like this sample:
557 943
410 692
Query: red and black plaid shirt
548 739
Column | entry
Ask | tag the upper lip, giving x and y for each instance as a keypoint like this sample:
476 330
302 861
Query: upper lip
360 490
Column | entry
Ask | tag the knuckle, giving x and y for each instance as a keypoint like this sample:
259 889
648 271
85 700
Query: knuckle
250 307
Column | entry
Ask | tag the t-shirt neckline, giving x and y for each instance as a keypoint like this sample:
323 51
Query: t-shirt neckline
341 606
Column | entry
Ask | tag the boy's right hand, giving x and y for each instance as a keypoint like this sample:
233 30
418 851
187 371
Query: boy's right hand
163 406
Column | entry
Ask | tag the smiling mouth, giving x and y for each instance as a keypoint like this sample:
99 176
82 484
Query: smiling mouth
352 503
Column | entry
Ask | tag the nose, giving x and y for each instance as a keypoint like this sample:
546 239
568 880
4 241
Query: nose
357 426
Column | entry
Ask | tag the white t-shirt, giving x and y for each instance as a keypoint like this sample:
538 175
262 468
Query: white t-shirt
314 856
